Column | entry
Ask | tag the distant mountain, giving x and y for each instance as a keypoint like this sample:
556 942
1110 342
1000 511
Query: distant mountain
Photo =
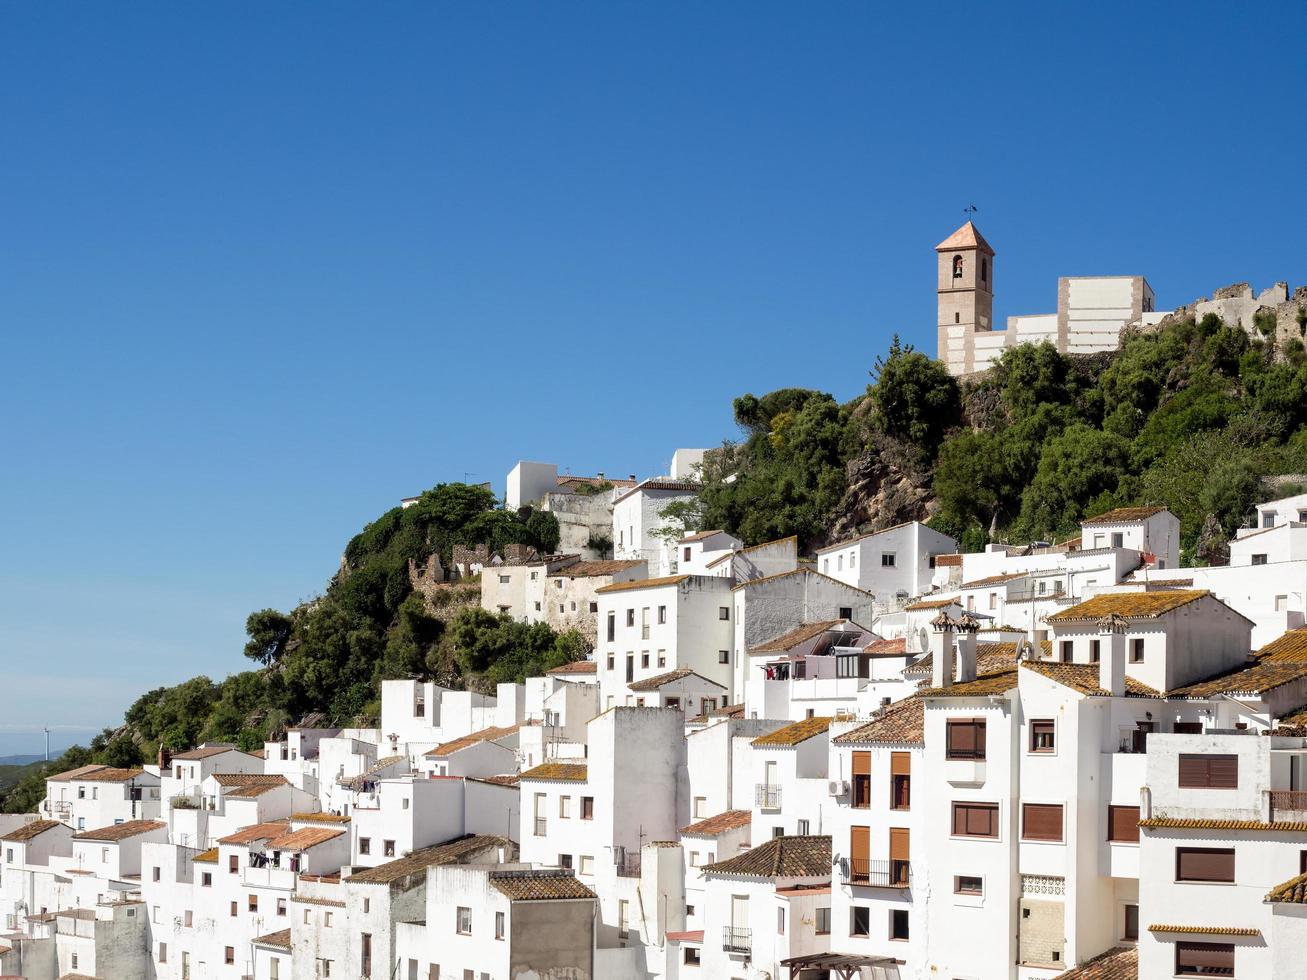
19 760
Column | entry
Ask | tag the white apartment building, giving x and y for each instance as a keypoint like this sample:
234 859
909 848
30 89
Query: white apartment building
894 565
638 520
828 667
96 796
790 784
1152 531
697 553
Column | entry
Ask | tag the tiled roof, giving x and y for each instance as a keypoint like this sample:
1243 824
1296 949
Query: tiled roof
712 826
303 839
1293 891
766 579
1251 680
1288 646
1121 963
30 831
571 772
204 752
681 485
793 734
537 886
505 779
1123 515
991 658
947 561
780 857
1207 930
968 236
456 851
642 583
980 687
575 667
591 569
490 734
792 638
930 604
121 831
256 832
207 857
318 818
1084 678
699 536
981 583
689 936
1131 605
1196 823
844 543
680 673
248 791
247 779
95 774
901 723
278 940
887 648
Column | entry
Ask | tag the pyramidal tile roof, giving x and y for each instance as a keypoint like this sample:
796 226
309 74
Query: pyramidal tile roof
968 236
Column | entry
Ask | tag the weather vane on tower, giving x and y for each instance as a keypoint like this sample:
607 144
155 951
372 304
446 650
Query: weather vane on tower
969 211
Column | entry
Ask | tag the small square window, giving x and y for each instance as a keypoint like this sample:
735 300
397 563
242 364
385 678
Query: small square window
724 612
723 656
898 925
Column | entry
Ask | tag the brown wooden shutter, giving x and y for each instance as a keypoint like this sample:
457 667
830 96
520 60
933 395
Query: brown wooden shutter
900 763
1202 959
1223 771
1123 824
862 763
1041 821
860 852
980 738
1193 771
961 738
975 819
1204 863
899 844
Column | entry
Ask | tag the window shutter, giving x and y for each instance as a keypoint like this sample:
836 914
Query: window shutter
899 844
862 763
1202 959
1041 821
1123 824
975 819
1204 863
900 763
860 846
1223 771
1193 771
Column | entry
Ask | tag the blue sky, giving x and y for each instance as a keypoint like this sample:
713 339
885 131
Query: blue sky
264 269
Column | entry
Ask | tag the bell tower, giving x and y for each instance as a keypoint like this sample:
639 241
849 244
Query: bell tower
966 295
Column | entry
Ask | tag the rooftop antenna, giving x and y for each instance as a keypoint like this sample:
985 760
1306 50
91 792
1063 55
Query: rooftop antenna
970 211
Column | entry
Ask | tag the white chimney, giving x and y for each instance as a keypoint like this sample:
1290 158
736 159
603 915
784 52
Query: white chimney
941 651
966 628
1111 654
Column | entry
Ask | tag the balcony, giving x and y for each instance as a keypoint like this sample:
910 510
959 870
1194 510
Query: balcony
629 866
877 874
737 940
767 797
1287 804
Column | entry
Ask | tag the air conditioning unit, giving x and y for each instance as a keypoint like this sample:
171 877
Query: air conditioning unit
838 787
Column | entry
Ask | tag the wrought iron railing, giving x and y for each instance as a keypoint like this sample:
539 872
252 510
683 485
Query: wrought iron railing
767 797
737 940
1287 801
882 874
628 866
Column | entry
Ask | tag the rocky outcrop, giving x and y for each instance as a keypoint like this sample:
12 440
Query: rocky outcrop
884 488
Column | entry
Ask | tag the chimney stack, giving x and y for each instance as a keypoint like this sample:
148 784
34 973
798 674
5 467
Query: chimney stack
941 651
1111 655
164 759
966 628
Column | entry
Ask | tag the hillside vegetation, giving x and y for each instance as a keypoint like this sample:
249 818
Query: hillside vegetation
1194 416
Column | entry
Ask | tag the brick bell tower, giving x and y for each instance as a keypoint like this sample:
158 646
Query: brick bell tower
966 295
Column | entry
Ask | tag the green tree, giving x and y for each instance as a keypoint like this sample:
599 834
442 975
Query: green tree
269 632
916 399
1076 467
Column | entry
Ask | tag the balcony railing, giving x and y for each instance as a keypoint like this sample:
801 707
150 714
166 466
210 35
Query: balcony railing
737 940
1287 801
541 825
767 797
879 874
629 866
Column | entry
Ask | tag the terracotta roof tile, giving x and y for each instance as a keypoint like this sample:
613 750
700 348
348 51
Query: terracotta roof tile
303 839
278 940
538 886
256 832
684 486
121 831
1123 515
1084 678
1131 605
1293 891
318 818
901 723
1290 646
767 579
792 638
642 583
680 673
991 658
925 604
1196 823
981 583
793 734
570 772
1207 930
248 779
490 734
204 752
30 831
207 857
712 826
1257 679
575 667
699 536
594 569
948 561
780 857
1121 963
968 236
980 687
886 648
460 850
96 774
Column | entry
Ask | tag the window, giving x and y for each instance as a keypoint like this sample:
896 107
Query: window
694 859
187 918
662 658
1095 651
367 906
587 864
630 617
691 955
823 922
644 658
859 921
587 808
723 656
464 921
900 781
780 921
887 559
898 924
233 864
365 845
1066 648
1130 929
610 661
274 969
163 952
685 552
846 612
326 919
1137 650
1123 824
803 828
155 874
229 954
1041 821
984 270
1203 771
1259 559
839 563
499 925
975 819
968 885
254 903
206 880
233 908
1204 959
1043 735
281 906
724 612
965 738
594 607
612 632
564 807
957 267
1204 864
700 807
505 579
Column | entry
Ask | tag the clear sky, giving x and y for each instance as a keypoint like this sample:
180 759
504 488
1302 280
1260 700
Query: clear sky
267 268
